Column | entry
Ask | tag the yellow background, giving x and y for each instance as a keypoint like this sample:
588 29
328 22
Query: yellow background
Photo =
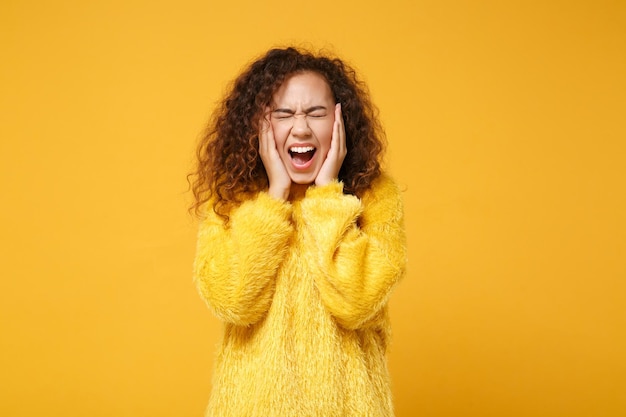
506 123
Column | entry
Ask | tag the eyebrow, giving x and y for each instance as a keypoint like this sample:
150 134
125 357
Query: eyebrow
306 111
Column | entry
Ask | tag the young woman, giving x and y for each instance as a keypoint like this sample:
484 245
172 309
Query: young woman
301 242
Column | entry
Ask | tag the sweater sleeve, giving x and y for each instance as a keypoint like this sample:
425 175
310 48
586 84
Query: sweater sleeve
360 248
236 265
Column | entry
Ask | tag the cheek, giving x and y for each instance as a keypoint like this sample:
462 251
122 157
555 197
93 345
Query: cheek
324 133
280 134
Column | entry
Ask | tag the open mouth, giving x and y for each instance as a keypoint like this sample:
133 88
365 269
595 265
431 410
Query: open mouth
301 155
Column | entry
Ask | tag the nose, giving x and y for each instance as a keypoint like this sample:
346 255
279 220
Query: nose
300 126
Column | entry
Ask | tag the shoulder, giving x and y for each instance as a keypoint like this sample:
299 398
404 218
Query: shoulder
254 205
383 187
383 200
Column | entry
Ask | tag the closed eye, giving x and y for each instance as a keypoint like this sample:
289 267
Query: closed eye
316 111
283 113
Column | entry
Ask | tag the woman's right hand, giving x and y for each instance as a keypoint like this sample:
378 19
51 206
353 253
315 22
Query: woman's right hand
279 180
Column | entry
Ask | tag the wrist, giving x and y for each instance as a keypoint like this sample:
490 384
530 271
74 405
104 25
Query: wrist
279 193
319 181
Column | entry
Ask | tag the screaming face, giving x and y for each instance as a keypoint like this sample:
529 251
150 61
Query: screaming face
302 120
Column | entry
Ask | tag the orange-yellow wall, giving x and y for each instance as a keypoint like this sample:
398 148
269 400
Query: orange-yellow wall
507 126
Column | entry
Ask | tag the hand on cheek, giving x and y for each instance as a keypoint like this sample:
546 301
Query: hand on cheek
336 153
279 180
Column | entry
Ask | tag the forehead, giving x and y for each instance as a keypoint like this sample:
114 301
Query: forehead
303 88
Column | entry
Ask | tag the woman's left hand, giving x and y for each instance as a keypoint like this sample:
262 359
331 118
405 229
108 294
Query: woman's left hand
337 152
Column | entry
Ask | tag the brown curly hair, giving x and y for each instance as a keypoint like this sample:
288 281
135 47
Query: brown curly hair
229 168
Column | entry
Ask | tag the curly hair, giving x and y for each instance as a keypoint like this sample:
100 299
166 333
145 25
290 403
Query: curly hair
229 168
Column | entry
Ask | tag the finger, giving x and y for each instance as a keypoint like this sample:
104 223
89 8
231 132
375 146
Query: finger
270 132
338 112
339 132
263 135
265 128
340 129
335 136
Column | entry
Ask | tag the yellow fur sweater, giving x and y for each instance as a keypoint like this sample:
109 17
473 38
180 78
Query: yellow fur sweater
302 289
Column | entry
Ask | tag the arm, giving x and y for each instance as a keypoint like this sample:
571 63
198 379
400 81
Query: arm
360 247
236 265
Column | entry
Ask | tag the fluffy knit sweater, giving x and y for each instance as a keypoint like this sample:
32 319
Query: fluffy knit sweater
302 288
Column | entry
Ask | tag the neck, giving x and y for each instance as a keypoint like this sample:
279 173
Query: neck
297 190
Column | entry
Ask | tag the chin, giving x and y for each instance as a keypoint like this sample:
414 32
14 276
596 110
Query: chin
303 179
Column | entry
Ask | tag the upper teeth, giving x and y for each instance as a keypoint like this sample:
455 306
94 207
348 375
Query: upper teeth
302 149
